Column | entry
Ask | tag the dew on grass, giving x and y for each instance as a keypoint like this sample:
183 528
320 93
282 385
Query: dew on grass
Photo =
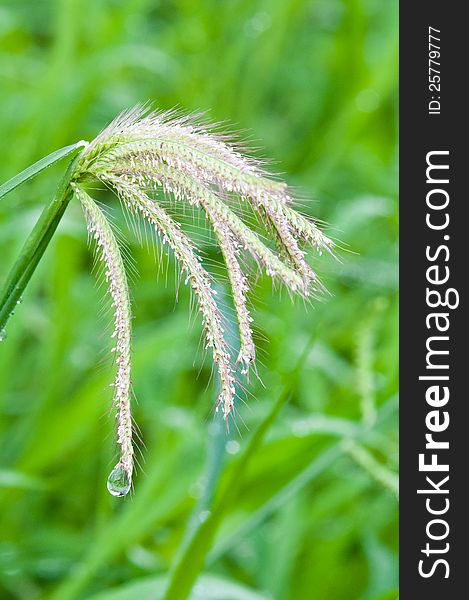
119 481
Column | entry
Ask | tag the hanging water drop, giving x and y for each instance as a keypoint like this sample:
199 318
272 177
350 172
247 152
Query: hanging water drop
119 481
3 334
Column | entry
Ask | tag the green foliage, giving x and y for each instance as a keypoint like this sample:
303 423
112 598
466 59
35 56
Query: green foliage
302 503
37 168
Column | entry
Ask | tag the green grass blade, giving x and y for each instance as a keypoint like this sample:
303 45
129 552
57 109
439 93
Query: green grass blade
36 245
38 167
304 477
192 559
194 551
314 469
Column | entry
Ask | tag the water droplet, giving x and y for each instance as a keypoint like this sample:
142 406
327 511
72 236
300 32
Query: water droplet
3 334
119 481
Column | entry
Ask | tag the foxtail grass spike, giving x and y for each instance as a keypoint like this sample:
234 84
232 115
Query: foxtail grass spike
108 252
144 157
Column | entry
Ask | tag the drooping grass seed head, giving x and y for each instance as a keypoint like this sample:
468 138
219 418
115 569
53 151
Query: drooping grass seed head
145 155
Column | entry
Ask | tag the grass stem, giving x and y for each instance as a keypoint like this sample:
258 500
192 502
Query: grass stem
34 247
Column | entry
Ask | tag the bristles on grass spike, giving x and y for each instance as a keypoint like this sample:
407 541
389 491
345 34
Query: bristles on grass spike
185 187
198 277
239 289
109 254
153 159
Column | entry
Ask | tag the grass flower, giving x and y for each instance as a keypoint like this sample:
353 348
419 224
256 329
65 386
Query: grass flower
145 157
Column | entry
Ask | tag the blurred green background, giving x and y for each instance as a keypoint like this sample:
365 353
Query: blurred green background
301 501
